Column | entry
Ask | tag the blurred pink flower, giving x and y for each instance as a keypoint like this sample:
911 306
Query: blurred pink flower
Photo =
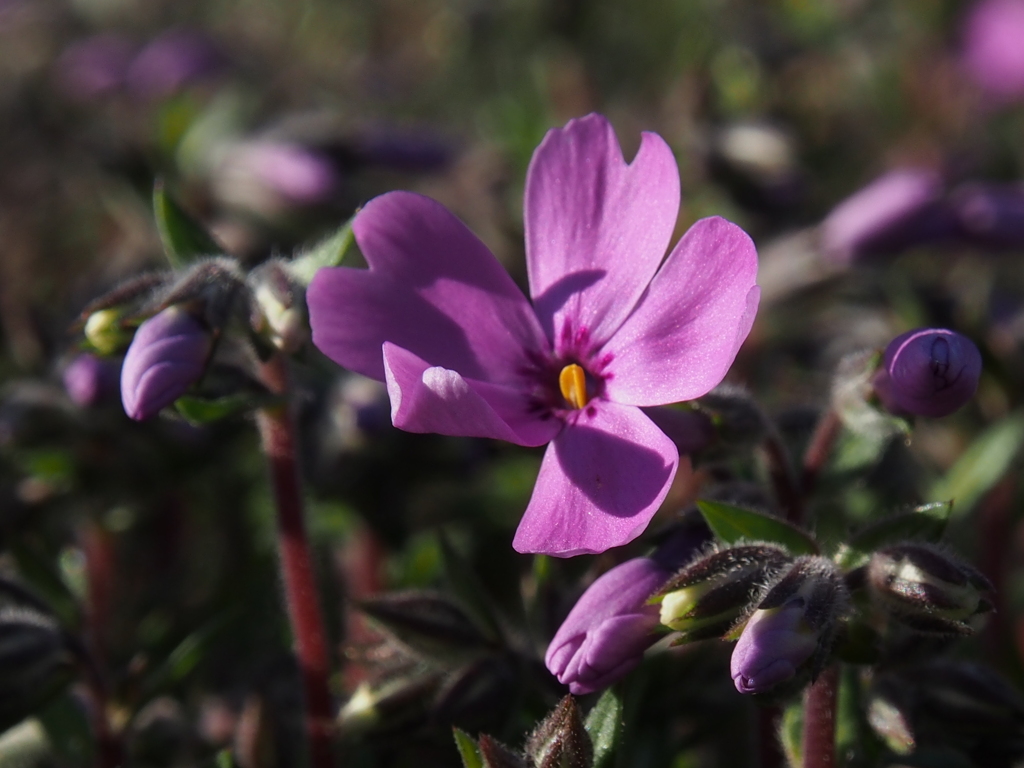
898 210
171 61
464 353
993 53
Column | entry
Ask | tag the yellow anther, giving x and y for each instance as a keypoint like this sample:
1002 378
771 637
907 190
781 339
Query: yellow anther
573 383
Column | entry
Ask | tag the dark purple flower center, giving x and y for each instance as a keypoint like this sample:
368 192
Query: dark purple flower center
569 379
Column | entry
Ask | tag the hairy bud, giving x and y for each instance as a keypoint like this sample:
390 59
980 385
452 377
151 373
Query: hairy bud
928 372
926 589
278 310
709 596
561 740
792 629
167 355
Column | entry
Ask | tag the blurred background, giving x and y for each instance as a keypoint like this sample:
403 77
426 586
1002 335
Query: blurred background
272 121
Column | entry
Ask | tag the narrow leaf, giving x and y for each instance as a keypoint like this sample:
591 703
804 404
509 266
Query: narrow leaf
981 466
732 524
468 750
183 238
327 253
604 724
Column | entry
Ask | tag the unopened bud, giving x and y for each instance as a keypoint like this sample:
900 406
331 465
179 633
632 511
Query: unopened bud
278 311
928 372
927 589
901 209
561 740
90 380
167 355
709 596
792 629
607 631
103 330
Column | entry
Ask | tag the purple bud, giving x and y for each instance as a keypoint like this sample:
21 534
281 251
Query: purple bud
901 209
993 55
607 631
928 372
167 355
792 629
990 215
89 380
774 644
170 62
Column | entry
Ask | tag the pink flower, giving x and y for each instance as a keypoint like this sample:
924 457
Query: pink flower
464 353
993 54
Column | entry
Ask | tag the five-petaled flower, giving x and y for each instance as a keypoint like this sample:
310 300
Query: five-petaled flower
612 329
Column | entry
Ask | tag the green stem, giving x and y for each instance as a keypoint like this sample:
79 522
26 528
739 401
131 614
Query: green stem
278 439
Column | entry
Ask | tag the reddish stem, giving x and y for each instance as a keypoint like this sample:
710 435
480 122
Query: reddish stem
98 550
820 720
781 470
279 445
819 449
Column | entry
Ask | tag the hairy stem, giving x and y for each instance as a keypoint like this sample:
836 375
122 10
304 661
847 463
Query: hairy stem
820 720
278 438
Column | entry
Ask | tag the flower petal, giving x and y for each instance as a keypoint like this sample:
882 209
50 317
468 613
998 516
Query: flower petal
427 398
601 481
596 228
612 650
432 288
685 333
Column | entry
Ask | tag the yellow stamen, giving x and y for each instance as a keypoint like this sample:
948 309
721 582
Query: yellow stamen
573 383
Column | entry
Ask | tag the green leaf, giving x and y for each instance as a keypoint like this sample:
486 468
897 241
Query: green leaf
604 724
198 411
924 523
468 750
187 655
183 238
329 252
466 587
732 524
981 466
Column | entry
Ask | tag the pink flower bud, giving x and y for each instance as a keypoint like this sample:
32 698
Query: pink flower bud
774 644
928 372
89 379
607 631
167 355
